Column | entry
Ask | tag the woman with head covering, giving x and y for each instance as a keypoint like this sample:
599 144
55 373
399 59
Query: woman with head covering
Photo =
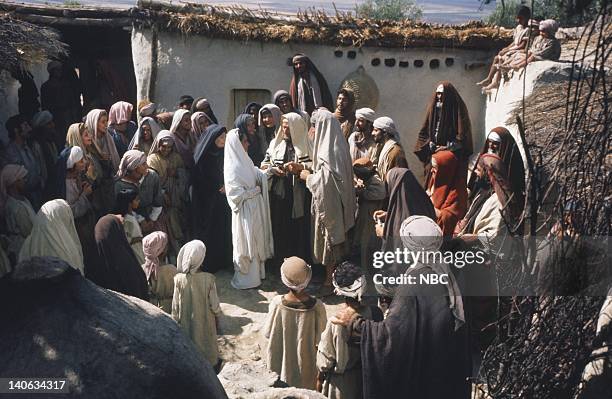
54 234
116 266
252 109
211 216
345 110
269 121
105 153
447 126
18 213
339 362
79 136
199 122
120 125
203 105
308 87
447 191
544 47
195 305
183 139
245 123
168 165
293 327
493 209
246 188
333 194
125 203
73 186
144 136
424 338
160 278
500 142
288 154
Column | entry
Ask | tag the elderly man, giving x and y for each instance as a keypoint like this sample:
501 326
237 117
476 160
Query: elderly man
308 89
389 153
361 142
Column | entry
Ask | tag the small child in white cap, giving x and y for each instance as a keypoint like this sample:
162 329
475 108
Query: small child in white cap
293 327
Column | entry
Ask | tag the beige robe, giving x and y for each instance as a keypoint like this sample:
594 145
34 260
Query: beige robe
134 236
162 288
293 335
194 306
390 156
340 362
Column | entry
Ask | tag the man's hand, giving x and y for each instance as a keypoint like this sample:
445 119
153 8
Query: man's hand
380 215
343 316
380 230
294 168
304 174
278 171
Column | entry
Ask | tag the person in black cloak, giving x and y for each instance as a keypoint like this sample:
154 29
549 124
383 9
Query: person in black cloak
421 349
446 126
212 219
308 88
203 105
252 109
116 266
257 150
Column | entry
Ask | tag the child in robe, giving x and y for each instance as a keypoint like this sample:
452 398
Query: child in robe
195 304
125 202
338 363
293 327
160 278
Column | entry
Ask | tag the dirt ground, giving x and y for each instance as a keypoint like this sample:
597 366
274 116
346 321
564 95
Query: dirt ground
244 313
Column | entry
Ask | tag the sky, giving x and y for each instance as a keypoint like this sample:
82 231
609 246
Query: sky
435 11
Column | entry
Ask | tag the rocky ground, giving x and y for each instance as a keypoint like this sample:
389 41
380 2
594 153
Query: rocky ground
241 344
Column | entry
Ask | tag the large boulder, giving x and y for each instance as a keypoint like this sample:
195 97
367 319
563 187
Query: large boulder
56 324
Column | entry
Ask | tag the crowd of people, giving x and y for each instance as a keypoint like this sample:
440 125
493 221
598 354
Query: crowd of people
153 209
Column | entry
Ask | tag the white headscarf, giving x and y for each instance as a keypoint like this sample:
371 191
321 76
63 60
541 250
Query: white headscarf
385 123
130 161
76 154
246 188
92 125
420 233
366 113
299 138
54 234
161 136
9 175
331 184
190 257
177 118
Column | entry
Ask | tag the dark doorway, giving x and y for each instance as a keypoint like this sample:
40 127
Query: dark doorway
102 57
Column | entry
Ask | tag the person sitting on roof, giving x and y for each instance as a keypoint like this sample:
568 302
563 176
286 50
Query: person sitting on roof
520 38
545 47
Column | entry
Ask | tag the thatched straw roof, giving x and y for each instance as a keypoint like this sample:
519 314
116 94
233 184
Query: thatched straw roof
316 27
22 44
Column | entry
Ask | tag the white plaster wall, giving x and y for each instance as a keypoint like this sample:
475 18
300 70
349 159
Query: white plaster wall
9 98
213 67
509 96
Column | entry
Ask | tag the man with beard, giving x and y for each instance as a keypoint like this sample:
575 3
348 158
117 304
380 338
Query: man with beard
389 153
282 99
308 89
361 142
446 127
345 111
